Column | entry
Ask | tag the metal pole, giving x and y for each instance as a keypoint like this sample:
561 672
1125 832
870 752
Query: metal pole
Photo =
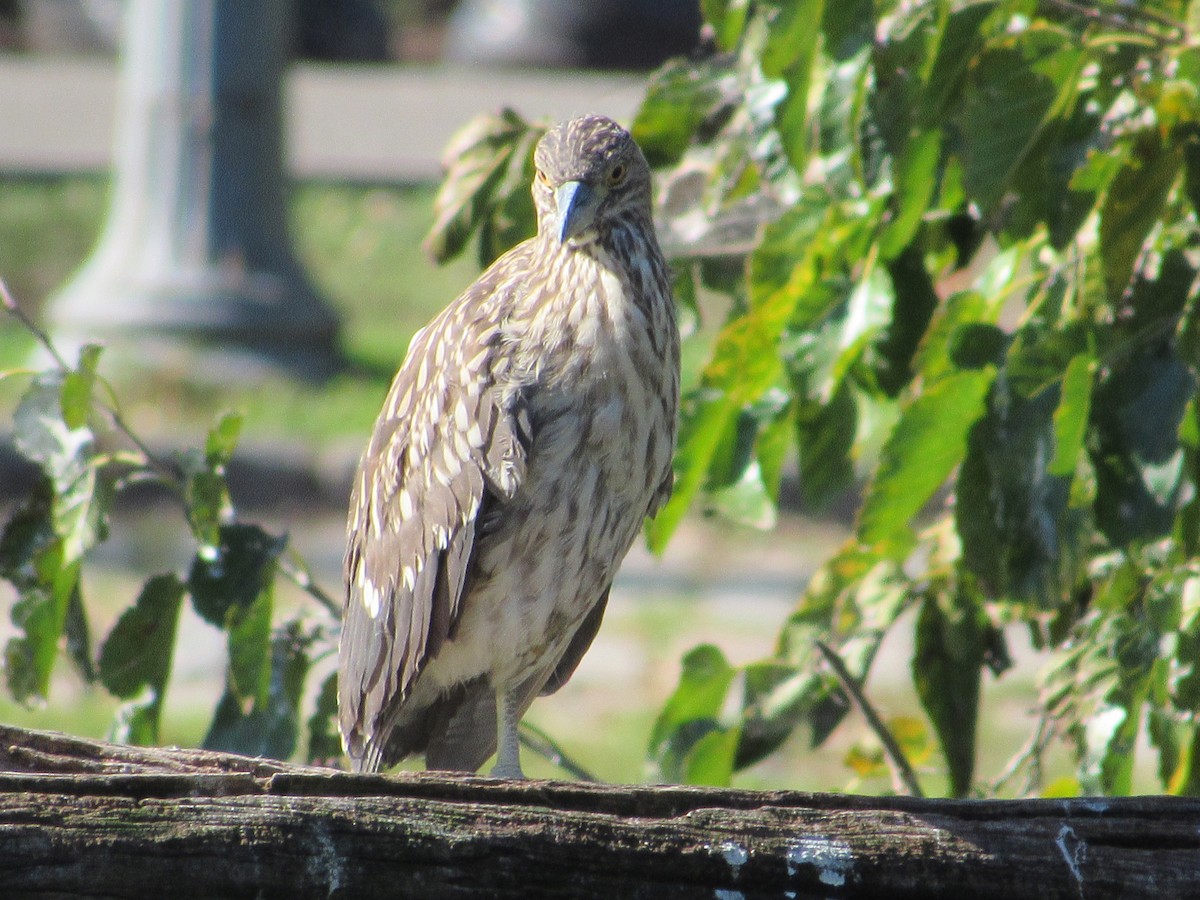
195 254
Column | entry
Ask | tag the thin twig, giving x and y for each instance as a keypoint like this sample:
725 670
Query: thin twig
296 569
31 326
1028 757
110 409
1123 18
546 747
903 776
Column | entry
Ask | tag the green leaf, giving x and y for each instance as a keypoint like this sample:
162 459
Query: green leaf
137 721
1012 515
791 53
790 34
912 309
1107 765
29 657
849 27
67 455
324 740
43 436
706 421
680 98
728 19
1132 207
924 447
78 638
825 436
234 573
710 761
77 386
512 217
1071 416
137 652
691 714
269 725
135 660
958 44
946 669
222 439
249 632
939 352
915 181
747 500
777 698
32 557
1010 91
1137 410
476 161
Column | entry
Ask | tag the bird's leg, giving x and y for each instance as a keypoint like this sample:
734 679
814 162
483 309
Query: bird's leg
508 754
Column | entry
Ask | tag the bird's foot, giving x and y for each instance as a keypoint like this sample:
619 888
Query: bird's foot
509 770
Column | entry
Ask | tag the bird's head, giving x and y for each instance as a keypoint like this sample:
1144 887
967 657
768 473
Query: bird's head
590 173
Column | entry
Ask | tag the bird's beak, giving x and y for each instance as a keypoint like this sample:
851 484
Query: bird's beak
577 204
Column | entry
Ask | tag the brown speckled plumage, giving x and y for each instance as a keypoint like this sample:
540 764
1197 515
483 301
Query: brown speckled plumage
525 438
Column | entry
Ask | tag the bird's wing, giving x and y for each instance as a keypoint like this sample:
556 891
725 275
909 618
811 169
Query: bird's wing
581 641
445 447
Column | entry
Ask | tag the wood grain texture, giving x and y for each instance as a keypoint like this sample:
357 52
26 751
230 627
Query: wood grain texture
87 819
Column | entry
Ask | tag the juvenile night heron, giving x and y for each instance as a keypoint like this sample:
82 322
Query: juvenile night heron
526 437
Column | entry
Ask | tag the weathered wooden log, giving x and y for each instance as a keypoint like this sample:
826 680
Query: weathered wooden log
86 819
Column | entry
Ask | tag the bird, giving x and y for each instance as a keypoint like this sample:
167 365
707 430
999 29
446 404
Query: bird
526 437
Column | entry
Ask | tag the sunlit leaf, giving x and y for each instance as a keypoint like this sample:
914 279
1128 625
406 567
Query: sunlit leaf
825 435
692 712
790 54
1071 417
223 438
476 161
925 446
76 397
915 183
679 99
728 19
704 426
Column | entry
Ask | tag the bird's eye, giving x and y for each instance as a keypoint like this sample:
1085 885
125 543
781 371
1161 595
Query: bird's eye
543 177
617 175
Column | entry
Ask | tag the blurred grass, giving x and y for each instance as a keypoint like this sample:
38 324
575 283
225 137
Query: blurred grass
361 246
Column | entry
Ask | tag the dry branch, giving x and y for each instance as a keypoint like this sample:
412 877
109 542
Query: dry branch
86 819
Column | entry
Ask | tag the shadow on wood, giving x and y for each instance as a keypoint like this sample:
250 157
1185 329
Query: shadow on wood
88 819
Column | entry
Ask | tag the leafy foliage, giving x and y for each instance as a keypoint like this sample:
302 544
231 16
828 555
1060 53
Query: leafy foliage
958 248
88 457
958 242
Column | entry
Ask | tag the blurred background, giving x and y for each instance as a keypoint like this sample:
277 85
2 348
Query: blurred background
370 93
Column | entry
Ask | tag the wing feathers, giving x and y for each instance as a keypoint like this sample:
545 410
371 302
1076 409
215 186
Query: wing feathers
441 445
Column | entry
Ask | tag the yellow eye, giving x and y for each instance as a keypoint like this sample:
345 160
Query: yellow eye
543 177
617 175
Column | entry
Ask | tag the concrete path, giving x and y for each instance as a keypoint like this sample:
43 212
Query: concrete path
356 123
